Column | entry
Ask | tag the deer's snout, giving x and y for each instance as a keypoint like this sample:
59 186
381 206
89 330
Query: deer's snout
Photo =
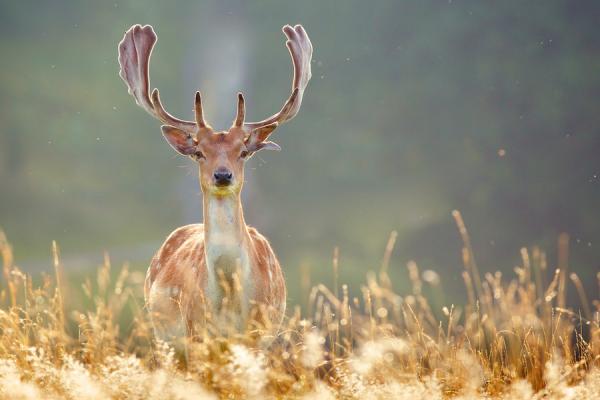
223 177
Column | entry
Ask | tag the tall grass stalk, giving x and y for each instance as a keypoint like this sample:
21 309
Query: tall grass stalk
513 339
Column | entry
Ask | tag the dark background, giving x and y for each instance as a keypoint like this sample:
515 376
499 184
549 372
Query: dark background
415 108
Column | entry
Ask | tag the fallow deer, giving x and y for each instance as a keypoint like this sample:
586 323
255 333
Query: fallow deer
203 270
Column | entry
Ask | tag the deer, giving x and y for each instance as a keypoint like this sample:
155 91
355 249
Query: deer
221 272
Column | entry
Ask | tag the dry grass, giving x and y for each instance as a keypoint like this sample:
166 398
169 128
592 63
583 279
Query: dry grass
513 339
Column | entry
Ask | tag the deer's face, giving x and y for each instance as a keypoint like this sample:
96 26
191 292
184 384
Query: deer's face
221 157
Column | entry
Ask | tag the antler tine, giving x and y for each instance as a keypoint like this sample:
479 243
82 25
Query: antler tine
134 58
241 111
198 112
162 115
300 49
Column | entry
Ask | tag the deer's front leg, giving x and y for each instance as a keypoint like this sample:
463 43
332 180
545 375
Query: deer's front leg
166 312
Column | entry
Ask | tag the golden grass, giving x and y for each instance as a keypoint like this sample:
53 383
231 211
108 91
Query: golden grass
512 339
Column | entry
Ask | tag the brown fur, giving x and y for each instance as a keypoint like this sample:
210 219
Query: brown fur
180 264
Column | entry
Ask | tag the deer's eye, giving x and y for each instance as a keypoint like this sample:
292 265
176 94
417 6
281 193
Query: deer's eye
244 154
198 155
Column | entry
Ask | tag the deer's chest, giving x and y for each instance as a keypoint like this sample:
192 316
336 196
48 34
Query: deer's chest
226 258
229 274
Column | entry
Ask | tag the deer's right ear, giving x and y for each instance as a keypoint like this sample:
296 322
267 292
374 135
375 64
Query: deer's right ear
180 140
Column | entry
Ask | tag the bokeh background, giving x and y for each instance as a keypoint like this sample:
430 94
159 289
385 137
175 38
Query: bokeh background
415 108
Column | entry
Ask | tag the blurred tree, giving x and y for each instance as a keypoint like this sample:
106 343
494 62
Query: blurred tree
415 109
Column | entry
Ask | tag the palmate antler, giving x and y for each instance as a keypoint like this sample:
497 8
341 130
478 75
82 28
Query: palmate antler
134 57
301 50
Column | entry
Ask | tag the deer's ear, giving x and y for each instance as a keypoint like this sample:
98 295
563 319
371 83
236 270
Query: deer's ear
180 140
257 140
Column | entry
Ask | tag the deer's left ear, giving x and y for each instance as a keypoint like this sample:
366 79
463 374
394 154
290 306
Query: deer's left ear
257 140
180 140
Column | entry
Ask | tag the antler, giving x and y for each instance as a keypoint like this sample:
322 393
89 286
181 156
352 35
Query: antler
241 111
301 50
199 112
134 57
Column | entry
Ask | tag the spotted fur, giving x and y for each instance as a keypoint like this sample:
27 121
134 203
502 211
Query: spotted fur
176 283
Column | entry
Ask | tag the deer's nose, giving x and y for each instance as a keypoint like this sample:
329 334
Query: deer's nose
223 177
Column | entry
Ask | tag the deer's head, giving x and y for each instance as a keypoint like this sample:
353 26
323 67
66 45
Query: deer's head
221 155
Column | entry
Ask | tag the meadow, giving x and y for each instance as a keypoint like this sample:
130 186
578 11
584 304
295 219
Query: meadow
514 339
414 109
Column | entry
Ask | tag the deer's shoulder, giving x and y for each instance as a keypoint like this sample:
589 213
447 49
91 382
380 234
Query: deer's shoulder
268 267
259 239
185 240
263 252
182 250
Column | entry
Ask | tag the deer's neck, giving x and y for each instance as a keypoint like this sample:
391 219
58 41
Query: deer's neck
225 234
